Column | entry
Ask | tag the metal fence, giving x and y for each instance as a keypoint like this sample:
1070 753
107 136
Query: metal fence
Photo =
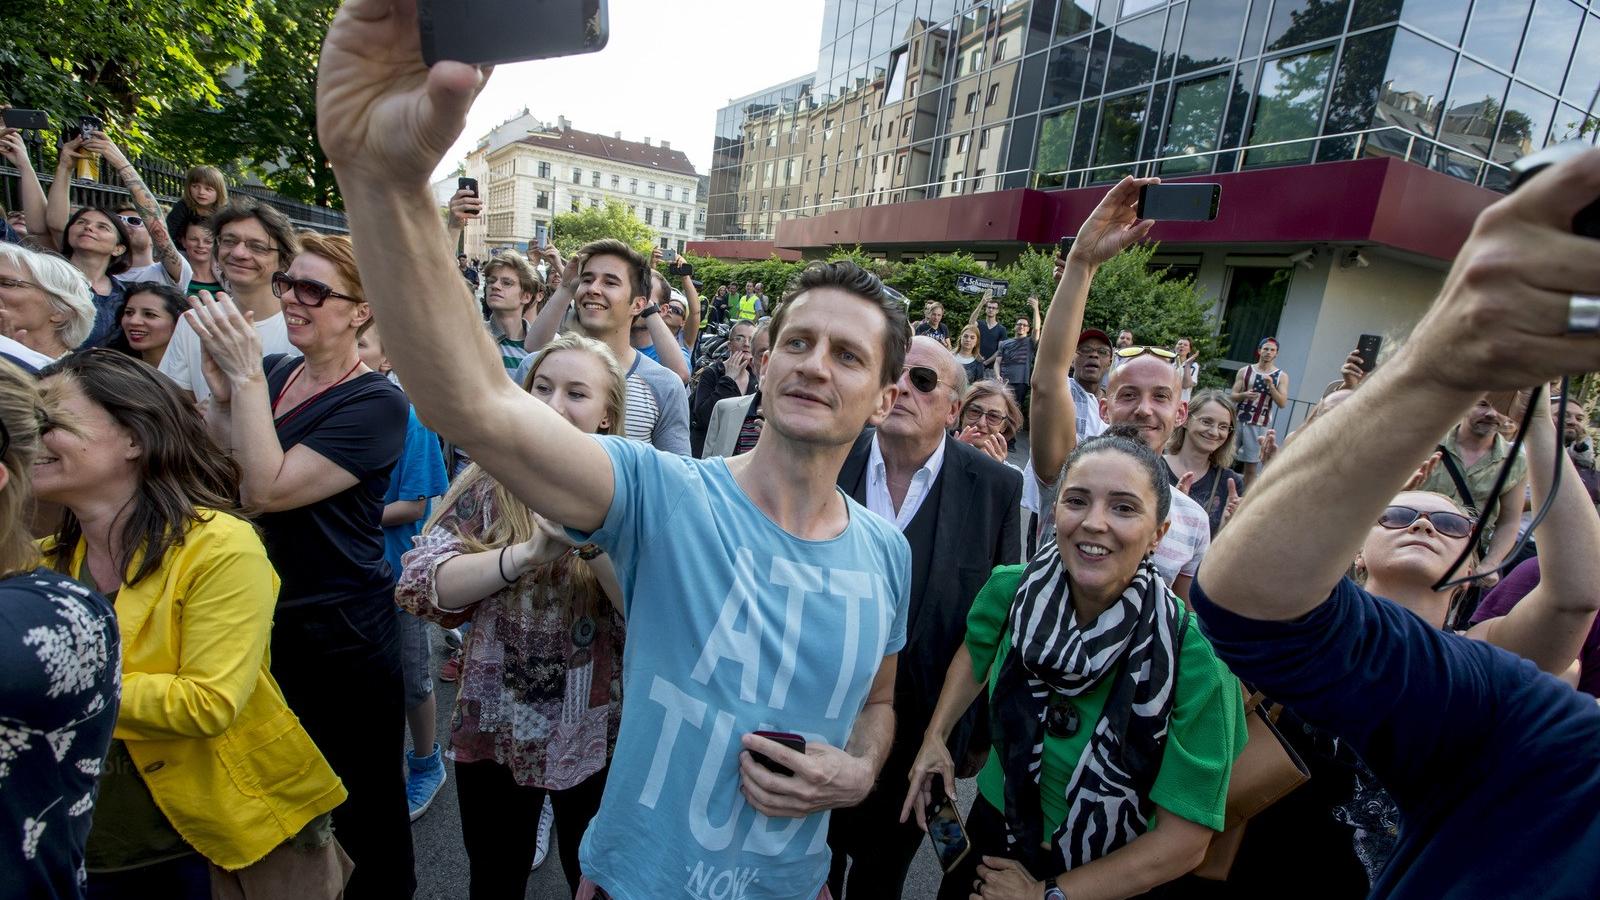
165 180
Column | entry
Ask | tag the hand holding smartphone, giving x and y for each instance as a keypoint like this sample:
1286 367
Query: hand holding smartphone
945 831
1180 202
788 739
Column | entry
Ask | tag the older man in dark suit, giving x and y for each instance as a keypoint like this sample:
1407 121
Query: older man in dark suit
959 509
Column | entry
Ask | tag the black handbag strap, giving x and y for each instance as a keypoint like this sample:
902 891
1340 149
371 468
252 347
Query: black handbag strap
1457 478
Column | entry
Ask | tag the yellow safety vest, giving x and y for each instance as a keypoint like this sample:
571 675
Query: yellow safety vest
747 307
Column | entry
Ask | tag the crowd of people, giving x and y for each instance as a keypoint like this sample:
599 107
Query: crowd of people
740 590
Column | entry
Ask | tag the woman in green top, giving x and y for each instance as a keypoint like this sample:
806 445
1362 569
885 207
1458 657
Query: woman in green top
1114 726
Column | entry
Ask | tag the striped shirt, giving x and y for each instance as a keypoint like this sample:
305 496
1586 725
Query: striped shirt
643 410
511 352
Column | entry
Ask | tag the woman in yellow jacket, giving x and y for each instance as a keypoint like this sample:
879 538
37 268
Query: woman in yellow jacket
212 787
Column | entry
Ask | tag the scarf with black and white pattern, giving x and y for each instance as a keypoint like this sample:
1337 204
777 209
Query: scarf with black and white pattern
1135 642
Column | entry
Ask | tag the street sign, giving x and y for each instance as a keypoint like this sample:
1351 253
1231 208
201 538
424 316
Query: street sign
977 284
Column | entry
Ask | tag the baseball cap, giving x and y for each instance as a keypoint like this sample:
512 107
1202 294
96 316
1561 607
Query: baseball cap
1094 334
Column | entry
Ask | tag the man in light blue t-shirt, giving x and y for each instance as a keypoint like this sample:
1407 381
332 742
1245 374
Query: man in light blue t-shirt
788 618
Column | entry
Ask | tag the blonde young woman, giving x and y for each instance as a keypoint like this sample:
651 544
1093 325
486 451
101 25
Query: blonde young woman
967 353
212 785
541 686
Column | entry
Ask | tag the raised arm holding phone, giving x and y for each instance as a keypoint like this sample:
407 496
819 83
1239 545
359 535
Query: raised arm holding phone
1405 695
792 550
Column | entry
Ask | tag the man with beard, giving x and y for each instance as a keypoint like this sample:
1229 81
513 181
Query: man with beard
1470 458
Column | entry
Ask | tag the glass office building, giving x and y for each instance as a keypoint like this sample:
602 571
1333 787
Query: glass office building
1355 140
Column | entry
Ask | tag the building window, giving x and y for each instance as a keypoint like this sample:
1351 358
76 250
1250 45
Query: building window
649 215
544 170
972 102
1000 51
962 142
683 221
950 110
744 204
877 130
668 188
680 245
1054 153
1196 114
994 94
650 188
665 243
594 179
822 168
983 140
905 127
766 203
900 164
633 185
574 204
827 130
616 182
788 171
1289 106
577 176
541 200
955 182
977 181
772 137
594 202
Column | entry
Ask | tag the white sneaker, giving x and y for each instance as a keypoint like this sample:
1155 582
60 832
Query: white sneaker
541 844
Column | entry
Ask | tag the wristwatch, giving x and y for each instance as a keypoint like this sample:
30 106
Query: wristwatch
649 311
1053 892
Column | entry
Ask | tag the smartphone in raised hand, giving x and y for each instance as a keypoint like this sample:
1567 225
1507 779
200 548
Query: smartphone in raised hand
489 32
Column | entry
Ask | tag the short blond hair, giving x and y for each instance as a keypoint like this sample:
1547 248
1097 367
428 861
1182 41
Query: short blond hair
66 288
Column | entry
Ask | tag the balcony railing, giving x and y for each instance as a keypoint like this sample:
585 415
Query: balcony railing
1390 141
165 180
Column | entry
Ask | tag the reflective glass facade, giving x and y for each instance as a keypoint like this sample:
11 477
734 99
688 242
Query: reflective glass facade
926 98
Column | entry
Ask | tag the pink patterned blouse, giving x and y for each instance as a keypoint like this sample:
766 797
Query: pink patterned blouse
541 685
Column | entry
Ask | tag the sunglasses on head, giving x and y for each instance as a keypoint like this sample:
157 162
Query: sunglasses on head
923 378
1158 352
307 291
1449 524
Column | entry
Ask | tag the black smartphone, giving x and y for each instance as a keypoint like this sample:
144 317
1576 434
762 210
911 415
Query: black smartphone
677 271
1064 246
26 119
467 184
787 738
1180 202
1367 348
488 32
945 831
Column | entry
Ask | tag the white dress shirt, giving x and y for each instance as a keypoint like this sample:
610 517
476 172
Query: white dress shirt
878 499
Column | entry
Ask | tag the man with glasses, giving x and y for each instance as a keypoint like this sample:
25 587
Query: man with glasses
959 511
733 376
253 241
1471 455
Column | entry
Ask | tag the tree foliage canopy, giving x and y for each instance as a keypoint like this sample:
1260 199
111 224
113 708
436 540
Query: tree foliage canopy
571 230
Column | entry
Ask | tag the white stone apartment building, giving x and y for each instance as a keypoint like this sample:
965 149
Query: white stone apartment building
529 171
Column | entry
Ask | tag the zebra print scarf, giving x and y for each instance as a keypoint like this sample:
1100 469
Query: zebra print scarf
1135 642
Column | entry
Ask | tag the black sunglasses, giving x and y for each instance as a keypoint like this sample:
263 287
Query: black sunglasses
923 378
1449 524
1061 717
308 292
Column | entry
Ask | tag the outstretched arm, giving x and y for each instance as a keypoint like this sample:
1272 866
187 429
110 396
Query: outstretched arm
385 121
1112 226
161 248
33 202
1549 625
1499 324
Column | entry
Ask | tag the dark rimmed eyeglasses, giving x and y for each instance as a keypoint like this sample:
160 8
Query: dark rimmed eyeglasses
307 291
1157 352
974 413
1061 717
923 378
1449 524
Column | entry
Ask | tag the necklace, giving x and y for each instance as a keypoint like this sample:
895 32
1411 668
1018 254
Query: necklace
299 407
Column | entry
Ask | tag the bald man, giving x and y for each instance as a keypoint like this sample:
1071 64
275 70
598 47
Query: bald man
959 510
1147 392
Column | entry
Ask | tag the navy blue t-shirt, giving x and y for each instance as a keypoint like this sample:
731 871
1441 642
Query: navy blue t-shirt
1494 764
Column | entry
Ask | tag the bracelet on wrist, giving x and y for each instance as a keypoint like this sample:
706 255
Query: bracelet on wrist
501 565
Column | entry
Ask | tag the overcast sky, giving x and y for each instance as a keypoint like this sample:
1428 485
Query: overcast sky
664 74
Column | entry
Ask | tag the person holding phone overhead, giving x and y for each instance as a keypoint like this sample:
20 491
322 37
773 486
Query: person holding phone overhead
1257 389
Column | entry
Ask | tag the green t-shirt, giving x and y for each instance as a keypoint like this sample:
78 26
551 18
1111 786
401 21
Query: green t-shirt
1206 734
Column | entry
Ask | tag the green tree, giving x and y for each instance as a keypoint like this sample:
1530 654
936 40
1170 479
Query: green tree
122 60
1128 293
572 230
933 277
265 125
